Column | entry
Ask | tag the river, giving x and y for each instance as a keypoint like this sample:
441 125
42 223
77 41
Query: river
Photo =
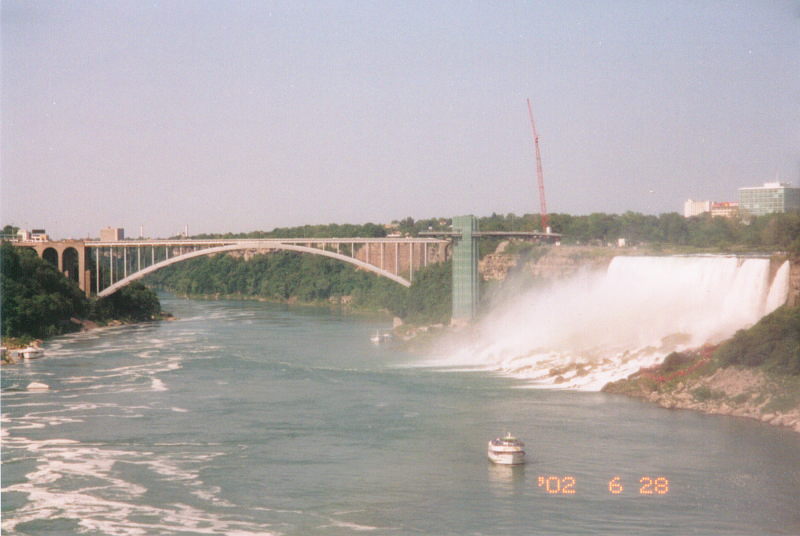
245 418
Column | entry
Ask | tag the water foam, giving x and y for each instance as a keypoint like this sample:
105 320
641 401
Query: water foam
599 327
86 483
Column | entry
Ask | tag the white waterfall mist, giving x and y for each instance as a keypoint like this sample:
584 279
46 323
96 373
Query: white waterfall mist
595 328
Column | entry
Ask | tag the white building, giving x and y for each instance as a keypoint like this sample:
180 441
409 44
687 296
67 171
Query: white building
695 208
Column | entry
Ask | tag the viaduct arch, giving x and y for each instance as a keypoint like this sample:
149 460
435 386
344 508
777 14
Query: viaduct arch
69 256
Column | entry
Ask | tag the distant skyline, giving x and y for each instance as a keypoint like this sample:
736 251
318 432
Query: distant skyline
236 116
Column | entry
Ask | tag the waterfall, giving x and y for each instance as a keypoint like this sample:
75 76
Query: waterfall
600 327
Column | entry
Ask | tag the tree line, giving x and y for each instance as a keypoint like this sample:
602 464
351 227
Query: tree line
770 232
773 231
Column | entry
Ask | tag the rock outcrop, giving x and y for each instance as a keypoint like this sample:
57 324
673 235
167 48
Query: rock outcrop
739 392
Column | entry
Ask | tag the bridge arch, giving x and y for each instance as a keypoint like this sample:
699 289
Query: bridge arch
51 256
70 263
245 246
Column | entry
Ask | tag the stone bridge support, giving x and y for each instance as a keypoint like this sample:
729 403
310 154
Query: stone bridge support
62 251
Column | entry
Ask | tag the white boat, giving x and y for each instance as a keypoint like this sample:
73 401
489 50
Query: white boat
31 352
379 337
507 450
38 386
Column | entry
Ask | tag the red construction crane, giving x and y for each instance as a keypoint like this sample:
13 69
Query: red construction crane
542 202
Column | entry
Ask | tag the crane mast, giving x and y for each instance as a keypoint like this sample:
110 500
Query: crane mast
542 203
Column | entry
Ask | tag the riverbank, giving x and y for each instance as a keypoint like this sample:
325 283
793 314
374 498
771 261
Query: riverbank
694 381
12 345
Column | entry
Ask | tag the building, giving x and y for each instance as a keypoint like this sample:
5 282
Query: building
771 198
728 209
110 234
39 235
695 208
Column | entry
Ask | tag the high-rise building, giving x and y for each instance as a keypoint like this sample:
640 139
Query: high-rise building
770 198
695 208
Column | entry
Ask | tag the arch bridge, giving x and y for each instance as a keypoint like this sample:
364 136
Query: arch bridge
103 267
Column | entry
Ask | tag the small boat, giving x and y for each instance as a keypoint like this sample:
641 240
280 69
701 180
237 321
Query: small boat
507 450
31 352
379 337
38 386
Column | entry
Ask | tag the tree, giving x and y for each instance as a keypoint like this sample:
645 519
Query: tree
133 302
37 299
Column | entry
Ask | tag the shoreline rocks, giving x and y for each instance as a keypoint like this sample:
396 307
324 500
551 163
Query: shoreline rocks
731 391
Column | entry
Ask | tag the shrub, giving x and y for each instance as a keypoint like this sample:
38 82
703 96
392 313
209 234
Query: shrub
773 344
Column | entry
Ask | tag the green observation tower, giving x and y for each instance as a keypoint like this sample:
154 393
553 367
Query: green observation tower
466 278
465 268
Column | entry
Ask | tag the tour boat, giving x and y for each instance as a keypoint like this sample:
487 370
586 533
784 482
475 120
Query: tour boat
507 450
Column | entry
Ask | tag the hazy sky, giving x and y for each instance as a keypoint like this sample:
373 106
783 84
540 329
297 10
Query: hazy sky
249 115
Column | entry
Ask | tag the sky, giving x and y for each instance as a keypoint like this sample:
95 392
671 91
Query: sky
245 115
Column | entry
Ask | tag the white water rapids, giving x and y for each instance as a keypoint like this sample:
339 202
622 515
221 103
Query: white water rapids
583 332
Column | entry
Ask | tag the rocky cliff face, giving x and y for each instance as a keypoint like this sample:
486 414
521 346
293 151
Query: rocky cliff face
545 262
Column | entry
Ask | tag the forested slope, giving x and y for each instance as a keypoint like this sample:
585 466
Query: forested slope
38 301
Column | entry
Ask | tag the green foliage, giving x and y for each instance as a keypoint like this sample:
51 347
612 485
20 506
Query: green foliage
133 302
774 231
39 301
773 343
674 362
9 232
280 276
703 393
333 230
430 298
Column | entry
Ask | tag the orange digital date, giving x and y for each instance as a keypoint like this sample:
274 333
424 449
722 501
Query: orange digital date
649 485
558 485
566 485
